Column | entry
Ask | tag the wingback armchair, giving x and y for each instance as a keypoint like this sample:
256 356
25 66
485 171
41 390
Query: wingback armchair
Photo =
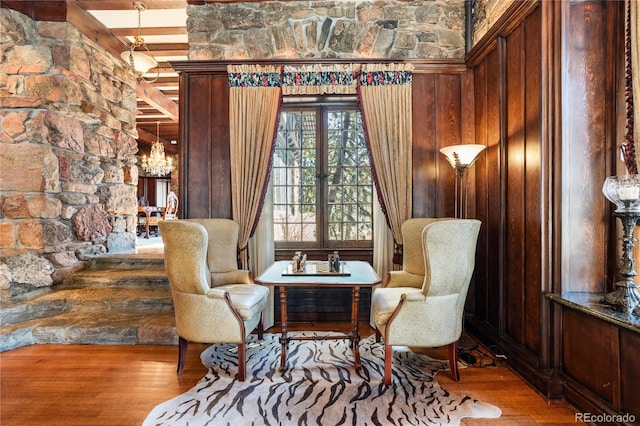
214 301
429 315
412 273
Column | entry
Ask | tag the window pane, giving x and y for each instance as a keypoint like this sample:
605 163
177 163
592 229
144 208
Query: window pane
299 177
349 190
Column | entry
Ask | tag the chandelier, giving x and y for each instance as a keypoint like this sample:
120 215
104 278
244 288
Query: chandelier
138 57
157 164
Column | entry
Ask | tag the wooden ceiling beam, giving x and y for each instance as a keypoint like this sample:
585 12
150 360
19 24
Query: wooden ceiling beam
157 99
43 10
146 136
126 4
149 31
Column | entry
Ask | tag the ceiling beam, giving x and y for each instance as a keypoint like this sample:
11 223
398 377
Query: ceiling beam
54 10
149 137
127 4
157 99
149 31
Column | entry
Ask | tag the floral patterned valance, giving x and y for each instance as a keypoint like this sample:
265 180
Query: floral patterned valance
319 79
386 74
254 76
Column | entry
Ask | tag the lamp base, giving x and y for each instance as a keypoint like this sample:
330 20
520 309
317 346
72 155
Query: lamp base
625 298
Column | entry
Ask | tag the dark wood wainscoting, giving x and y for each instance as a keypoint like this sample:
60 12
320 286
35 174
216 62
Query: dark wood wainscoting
544 104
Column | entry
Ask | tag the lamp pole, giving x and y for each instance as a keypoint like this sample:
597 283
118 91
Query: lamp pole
461 157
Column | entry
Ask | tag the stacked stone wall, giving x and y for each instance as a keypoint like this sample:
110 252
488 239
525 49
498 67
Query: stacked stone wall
486 13
67 153
386 29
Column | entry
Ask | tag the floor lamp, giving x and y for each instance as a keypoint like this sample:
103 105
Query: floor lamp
461 158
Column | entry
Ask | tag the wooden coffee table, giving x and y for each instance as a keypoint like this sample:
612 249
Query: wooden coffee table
353 275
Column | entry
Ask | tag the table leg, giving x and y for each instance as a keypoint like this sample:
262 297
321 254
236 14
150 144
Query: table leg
283 321
146 223
355 332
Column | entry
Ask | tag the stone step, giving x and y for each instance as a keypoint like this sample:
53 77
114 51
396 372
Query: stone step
104 299
128 261
33 309
91 299
116 327
148 276
119 299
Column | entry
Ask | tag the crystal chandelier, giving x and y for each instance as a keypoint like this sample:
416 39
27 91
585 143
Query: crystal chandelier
157 164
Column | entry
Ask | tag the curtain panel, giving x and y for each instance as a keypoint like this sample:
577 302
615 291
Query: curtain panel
384 91
254 107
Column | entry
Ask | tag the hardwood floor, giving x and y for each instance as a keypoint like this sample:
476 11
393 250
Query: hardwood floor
119 385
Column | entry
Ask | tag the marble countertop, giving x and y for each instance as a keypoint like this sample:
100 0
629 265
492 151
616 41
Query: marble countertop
591 304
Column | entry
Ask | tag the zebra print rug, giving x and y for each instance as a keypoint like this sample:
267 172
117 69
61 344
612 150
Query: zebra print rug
319 387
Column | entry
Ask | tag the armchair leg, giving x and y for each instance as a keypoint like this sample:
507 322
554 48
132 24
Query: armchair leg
388 357
261 327
453 360
378 336
242 361
182 353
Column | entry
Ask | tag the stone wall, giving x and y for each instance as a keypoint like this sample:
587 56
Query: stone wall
324 29
485 14
67 143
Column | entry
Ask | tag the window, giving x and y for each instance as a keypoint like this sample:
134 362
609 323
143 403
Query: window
323 191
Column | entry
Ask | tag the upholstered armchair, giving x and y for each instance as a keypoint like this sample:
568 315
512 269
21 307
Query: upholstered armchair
214 301
431 315
412 273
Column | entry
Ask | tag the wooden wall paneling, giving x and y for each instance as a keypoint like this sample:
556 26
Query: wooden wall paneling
590 354
615 122
424 148
583 147
494 189
221 150
514 272
533 181
487 187
483 252
206 185
629 372
448 132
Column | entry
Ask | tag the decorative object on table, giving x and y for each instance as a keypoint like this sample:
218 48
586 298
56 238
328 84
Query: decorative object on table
334 262
299 262
461 158
321 387
317 268
624 192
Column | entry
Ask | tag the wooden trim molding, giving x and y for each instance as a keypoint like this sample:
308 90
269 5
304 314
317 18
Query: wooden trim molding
422 66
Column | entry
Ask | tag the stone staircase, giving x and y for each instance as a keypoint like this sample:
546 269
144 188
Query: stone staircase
119 299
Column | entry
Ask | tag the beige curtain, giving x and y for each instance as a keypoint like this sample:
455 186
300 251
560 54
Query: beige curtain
385 97
254 105
262 249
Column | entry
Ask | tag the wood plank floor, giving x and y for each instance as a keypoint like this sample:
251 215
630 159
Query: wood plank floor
119 385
